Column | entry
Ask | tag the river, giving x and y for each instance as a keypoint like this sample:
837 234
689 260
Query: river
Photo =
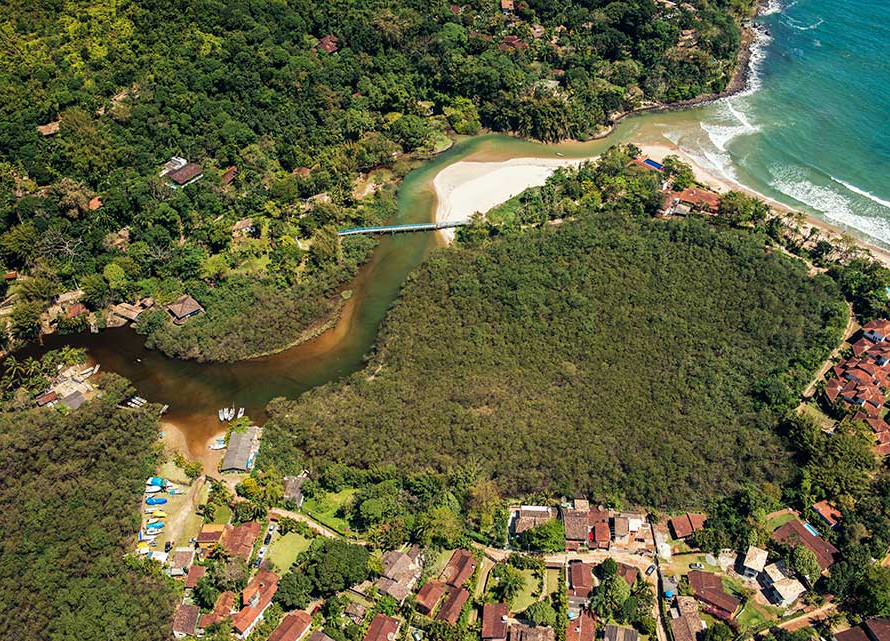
734 138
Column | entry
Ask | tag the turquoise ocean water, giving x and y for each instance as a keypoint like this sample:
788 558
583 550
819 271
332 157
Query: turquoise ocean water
813 128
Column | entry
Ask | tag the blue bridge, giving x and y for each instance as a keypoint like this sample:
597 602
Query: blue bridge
395 229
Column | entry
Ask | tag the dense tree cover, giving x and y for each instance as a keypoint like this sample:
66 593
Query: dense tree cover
130 84
615 599
428 508
69 513
327 567
607 356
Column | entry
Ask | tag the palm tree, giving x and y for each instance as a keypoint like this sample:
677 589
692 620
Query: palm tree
510 584
13 368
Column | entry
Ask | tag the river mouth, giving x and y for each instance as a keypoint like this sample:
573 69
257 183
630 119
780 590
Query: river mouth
195 391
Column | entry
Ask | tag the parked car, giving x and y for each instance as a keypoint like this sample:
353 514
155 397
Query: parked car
271 527
168 546
268 539
262 552
696 566
651 569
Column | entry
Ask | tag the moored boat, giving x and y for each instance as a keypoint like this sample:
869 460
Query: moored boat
155 500
151 489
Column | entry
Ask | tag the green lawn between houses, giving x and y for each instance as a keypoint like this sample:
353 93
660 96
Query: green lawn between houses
325 510
283 551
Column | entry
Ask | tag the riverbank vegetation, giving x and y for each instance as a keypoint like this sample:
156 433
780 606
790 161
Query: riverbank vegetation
283 107
69 513
611 355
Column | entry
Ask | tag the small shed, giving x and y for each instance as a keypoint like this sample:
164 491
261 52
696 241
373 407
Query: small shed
184 308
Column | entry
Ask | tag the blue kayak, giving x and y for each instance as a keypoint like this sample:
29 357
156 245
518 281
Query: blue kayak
153 500
156 480
154 526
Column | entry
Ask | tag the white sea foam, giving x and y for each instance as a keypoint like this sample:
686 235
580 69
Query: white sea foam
773 6
755 62
832 204
862 192
797 24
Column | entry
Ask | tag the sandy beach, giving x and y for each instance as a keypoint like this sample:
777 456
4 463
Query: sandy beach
467 187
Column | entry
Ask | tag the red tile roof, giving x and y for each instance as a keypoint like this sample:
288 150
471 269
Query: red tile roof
222 610
429 596
685 525
794 533
185 620
292 627
494 621
257 596
708 589
600 536
382 628
239 541
451 609
459 569
582 628
194 575
229 175
77 309
328 44
186 173
628 572
830 514
700 198
580 578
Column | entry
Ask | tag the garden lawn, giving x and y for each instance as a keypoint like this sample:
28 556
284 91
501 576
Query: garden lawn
283 551
325 511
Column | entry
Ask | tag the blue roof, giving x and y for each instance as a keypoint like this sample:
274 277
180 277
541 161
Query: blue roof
654 164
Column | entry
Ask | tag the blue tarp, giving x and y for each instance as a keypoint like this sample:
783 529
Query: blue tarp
153 500
654 164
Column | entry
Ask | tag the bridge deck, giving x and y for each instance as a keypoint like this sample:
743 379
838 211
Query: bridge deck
394 229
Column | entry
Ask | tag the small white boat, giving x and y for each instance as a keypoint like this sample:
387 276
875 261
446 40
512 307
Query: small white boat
240 412
151 489
96 369
560 154
217 446
151 510
87 372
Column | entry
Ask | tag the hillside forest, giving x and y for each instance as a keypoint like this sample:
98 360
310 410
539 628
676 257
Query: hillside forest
612 355
301 116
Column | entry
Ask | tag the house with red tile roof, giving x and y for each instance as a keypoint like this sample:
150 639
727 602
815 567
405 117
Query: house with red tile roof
577 527
429 596
256 597
329 44
795 533
581 628
600 536
185 620
686 525
223 610
382 628
453 606
293 627
699 199
194 575
828 513
459 569
240 539
708 590
494 621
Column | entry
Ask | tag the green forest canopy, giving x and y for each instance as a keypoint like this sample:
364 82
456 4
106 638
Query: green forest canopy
245 84
609 356
68 515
